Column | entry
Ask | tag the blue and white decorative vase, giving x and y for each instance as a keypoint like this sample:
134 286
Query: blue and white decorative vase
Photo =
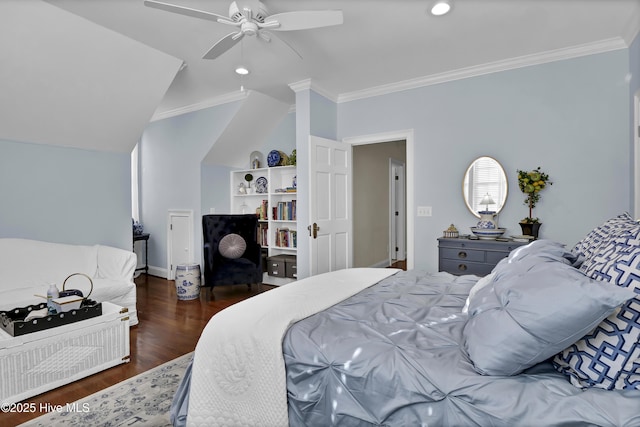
487 220
188 281
273 158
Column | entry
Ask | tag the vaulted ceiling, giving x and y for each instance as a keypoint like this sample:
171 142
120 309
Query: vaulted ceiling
92 73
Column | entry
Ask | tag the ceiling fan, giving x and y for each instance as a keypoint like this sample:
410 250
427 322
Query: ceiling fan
254 21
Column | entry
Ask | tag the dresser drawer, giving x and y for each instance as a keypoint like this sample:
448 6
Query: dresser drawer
464 267
496 257
462 254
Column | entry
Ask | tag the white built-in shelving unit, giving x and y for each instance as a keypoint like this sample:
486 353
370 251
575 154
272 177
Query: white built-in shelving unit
276 206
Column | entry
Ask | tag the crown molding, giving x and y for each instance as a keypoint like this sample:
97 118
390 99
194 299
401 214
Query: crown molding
492 67
308 84
462 73
301 85
213 102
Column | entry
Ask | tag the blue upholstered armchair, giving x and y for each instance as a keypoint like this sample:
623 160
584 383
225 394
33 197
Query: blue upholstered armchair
232 255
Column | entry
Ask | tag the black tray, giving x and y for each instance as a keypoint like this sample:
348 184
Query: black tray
12 322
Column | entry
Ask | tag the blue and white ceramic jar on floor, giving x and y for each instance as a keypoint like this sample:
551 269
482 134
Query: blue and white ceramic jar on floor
188 281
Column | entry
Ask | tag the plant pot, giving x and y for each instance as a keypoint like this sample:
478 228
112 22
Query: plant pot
530 229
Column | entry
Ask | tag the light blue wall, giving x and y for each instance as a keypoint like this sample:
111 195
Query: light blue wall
65 195
634 65
324 117
215 189
171 152
569 117
634 84
282 138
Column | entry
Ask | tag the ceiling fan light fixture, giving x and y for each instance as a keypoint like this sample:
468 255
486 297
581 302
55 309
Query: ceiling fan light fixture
242 70
441 7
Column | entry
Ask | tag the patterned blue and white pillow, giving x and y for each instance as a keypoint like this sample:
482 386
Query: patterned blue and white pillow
609 356
599 236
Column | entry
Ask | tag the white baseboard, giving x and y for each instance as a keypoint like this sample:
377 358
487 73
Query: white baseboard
268 280
158 271
380 264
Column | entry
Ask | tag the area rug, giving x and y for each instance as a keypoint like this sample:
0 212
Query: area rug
142 400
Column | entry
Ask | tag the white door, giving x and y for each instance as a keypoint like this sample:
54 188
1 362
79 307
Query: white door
636 103
397 212
179 240
329 208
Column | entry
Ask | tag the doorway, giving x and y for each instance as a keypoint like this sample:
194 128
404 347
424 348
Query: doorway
636 145
369 200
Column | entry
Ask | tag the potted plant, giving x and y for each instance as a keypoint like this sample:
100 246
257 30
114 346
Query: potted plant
248 177
531 183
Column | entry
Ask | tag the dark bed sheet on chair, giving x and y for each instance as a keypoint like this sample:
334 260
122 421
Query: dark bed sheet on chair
393 355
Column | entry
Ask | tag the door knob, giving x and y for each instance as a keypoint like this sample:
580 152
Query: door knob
313 229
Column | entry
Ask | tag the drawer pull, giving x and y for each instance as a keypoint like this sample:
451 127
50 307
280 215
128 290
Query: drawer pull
462 254
462 267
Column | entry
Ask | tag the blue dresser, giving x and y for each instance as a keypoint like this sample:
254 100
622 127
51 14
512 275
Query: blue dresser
465 256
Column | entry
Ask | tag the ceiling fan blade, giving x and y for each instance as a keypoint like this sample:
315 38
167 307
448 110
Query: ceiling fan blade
188 11
223 45
303 20
281 39
265 35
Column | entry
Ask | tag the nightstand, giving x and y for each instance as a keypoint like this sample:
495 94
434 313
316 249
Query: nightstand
466 256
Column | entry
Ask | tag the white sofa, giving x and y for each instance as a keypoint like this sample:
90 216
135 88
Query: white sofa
27 267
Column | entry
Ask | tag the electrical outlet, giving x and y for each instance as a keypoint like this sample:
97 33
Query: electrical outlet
424 211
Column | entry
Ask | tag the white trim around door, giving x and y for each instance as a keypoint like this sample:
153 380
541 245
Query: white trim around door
406 135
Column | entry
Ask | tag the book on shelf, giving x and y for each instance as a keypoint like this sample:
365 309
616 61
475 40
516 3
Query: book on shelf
284 211
262 210
263 234
286 238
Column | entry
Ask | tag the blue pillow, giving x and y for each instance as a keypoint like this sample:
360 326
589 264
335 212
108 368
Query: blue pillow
609 356
536 306
611 228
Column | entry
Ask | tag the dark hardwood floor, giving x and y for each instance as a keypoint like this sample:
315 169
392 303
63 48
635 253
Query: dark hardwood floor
167 329
401 264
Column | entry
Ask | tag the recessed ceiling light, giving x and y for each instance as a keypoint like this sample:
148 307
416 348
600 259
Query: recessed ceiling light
243 71
440 8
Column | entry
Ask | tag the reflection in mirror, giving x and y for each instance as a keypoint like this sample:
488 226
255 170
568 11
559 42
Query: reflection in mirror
484 176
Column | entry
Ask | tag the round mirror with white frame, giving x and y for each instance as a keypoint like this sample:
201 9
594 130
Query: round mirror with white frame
484 186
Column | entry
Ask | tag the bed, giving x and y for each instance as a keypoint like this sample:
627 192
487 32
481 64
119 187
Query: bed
549 338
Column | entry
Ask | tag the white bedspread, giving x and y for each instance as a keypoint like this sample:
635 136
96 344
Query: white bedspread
239 376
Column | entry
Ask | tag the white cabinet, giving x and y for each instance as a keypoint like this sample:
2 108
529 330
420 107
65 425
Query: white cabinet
272 195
